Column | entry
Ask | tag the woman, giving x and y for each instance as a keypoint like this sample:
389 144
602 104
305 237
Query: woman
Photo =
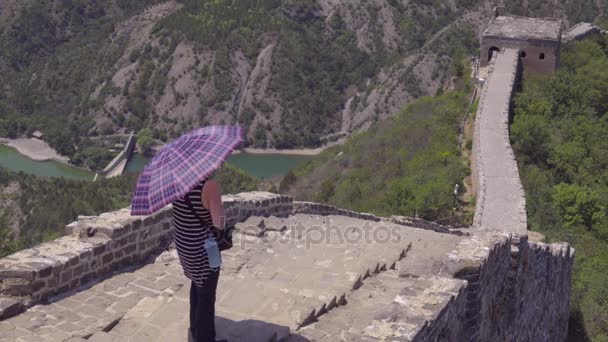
194 216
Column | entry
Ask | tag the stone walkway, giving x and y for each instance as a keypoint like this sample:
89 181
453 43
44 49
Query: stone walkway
94 308
386 307
282 274
501 203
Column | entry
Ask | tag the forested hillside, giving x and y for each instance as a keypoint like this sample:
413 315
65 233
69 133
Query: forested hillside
560 137
407 165
35 209
293 73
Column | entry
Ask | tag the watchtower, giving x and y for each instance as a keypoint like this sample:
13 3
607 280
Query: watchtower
538 40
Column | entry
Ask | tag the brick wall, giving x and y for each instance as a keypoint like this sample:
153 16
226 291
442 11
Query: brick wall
96 246
519 292
532 49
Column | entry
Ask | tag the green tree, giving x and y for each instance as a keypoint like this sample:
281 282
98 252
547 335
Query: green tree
145 140
8 244
288 179
578 205
531 137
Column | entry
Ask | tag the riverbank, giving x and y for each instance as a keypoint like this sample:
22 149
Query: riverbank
298 152
311 152
13 161
35 149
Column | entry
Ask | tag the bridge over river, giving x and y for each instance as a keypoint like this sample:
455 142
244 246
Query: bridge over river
117 166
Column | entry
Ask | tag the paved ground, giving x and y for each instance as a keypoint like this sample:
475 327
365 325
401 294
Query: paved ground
386 307
504 204
282 274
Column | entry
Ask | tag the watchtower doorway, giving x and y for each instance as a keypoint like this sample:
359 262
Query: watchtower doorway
491 52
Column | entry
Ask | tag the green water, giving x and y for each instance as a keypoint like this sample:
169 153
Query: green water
258 165
12 160
266 165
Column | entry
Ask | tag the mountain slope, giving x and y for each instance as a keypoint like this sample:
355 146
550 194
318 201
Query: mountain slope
293 73
407 165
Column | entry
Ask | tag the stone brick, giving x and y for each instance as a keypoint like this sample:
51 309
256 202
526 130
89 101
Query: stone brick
135 225
79 270
45 272
98 250
86 255
130 249
107 258
148 221
21 273
16 287
118 253
9 307
85 278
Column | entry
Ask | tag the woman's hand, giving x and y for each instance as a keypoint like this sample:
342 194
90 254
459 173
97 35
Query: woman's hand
211 198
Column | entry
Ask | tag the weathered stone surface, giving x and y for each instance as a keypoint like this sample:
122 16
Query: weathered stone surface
9 307
501 204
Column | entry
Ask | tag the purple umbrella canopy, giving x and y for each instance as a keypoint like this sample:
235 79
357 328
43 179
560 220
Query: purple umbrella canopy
181 165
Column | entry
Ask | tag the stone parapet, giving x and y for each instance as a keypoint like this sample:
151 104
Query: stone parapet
239 207
313 208
96 247
516 291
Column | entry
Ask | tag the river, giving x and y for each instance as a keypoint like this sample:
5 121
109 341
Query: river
259 165
12 160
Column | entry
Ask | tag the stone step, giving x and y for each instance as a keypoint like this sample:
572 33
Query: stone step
10 307
384 307
166 318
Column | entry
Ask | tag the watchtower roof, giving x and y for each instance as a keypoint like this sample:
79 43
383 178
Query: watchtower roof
515 27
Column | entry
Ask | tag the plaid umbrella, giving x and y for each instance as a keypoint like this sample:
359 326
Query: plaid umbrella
181 165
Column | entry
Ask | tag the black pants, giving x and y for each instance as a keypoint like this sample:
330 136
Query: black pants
202 309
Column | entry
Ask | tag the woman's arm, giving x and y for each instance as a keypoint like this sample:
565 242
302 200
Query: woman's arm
211 198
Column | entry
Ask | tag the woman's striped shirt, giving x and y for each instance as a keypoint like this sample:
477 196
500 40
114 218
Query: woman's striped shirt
190 235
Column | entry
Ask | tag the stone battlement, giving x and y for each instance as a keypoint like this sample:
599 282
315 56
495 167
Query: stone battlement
431 280
96 246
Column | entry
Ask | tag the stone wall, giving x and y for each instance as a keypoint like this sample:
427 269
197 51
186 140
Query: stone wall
530 53
519 292
326 209
96 246
500 199
533 302
581 31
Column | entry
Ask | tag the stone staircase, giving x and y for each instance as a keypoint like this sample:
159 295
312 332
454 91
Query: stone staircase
386 306
353 292
283 275
166 319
